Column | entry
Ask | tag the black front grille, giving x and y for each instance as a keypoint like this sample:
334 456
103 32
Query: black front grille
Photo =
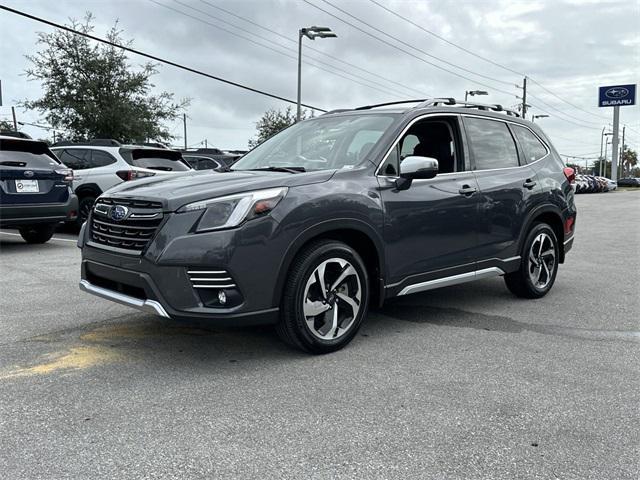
128 202
133 232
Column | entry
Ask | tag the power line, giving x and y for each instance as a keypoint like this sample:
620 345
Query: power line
273 43
424 52
447 41
284 37
155 58
259 43
504 67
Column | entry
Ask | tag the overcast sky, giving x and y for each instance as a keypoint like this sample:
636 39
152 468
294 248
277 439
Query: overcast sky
569 47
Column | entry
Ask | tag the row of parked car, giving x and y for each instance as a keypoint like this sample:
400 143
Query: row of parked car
41 186
593 184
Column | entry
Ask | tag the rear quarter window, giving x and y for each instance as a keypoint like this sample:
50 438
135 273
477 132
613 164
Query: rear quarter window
531 145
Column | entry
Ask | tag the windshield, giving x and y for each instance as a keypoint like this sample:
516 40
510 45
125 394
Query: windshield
319 144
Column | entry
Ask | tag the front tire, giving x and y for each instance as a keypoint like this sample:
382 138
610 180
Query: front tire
325 298
37 233
538 264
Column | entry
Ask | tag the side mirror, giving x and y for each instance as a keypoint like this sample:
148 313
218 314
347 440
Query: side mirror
415 167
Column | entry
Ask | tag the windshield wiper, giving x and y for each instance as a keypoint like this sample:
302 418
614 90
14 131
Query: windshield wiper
280 169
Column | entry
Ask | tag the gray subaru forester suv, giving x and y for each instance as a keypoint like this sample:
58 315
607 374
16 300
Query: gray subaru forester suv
337 213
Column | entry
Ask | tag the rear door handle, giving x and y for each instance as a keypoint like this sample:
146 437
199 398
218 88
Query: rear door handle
529 183
467 190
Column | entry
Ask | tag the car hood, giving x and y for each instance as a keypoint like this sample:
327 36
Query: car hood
174 191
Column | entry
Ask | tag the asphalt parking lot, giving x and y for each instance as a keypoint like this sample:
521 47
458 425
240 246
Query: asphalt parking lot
466 382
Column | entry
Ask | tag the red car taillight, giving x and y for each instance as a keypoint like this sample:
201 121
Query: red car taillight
68 175
570 173
133 174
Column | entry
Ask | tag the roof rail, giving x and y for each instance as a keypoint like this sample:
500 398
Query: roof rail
96 142
367 107
434 102
337 110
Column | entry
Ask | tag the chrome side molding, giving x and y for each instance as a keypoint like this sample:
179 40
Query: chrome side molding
452 280
149 306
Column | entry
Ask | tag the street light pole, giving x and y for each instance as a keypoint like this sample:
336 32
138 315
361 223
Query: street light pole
533 117
311 33
298 109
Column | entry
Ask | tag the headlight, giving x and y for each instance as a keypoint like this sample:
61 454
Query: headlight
232 210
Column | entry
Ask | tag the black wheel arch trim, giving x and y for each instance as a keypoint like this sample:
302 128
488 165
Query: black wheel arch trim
320 229
533 215
88 188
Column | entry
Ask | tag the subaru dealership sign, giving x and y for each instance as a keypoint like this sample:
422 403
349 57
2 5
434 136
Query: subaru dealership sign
617 95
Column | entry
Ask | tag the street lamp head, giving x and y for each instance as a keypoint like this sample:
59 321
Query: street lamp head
478 92
312 32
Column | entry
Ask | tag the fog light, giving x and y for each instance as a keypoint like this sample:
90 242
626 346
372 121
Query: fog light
222 297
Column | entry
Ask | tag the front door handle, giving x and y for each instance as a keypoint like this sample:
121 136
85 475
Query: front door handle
467 190
529 183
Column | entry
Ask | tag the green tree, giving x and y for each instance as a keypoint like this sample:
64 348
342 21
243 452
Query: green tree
629 159
272 122
91 90
6 126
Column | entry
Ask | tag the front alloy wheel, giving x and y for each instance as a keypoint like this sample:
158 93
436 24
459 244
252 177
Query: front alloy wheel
325 297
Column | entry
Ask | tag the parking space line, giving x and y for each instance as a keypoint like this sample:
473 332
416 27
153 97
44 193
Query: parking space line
52 238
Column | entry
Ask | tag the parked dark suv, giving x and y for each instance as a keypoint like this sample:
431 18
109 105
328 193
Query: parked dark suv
336 213
35 189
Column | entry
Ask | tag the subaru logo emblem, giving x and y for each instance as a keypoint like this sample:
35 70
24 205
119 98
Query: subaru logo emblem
28 173
616 92
119 212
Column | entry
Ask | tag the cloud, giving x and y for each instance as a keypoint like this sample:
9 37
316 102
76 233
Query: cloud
569 47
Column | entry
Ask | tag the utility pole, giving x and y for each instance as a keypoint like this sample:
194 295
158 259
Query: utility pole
184 122
205 143
524 98
614 147
622 154
15 123
600 157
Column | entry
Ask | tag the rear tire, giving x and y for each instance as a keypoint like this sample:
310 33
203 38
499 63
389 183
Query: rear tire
538 264
37 233
84 209
325 298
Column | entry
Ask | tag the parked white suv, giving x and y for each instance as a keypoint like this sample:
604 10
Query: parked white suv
101 164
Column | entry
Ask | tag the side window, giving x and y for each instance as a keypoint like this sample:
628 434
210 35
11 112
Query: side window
533 148
206 164
491 143
76 158
101 159
433 138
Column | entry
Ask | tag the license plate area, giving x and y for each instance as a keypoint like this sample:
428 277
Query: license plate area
27 186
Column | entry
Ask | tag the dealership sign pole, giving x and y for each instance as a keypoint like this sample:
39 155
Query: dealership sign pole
616 96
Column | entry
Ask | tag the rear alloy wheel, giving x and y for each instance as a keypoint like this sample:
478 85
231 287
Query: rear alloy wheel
538 266
37 233
325 299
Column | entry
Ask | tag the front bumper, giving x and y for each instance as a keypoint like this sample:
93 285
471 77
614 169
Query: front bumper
160 279
18 215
